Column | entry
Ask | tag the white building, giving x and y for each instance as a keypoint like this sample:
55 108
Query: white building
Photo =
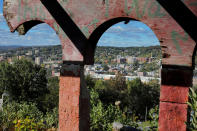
38 60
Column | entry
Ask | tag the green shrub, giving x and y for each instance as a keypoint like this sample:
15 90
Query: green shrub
154 117
18 111
29 110
192 125
102 116
28 124
7 115
51 118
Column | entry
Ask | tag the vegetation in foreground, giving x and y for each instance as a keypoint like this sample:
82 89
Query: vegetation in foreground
32 103
125 102
115 100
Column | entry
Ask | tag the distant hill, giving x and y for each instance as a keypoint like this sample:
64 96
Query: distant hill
9 47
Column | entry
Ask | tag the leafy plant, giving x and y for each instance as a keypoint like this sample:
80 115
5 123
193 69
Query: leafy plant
19 111
51 118
192 125
154 116
28 124
102 116
7 115
23 80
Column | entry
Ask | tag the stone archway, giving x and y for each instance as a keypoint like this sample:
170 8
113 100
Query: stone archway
79 24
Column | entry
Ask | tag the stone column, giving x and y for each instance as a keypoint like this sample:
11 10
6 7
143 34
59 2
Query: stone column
73 99
173 97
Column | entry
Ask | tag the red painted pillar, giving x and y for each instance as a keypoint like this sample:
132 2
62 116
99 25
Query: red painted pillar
173 98
73 99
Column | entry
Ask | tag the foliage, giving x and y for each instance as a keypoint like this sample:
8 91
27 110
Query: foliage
19 111
148 67
112 90
134 96
142 96
31 98
192 125
51 118
51 99
28 125
105 67
135 65
23 80
154 117
103 116
8 115
27 115
90 82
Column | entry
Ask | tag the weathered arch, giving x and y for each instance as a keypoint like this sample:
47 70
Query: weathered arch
78 22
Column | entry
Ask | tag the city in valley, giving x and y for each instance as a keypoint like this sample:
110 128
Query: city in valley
131 62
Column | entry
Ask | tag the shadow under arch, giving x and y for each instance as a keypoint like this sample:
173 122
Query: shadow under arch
98 32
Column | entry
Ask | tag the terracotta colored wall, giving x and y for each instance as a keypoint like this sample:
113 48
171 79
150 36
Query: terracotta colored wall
73 100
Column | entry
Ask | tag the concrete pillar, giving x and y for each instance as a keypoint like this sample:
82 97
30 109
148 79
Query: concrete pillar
73 99
173 98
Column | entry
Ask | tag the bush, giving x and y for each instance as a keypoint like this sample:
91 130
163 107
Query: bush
154 117
51 118
24 81
134 98
102 116
18 111
8 115
28 124
192 125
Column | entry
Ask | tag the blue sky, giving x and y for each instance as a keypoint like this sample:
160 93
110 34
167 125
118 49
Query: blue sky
132 34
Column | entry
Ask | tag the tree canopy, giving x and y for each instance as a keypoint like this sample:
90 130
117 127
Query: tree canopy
23 80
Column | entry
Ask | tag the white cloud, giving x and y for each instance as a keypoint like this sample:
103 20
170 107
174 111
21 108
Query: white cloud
115 29
118 28
29 38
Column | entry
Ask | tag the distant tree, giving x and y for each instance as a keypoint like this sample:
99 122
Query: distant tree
143 96
134 96
112 90
23 80
51 99
5 76
105 68
135 65
90 82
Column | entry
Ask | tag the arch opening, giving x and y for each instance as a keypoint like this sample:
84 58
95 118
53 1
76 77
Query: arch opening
124 69
33 66
98 32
